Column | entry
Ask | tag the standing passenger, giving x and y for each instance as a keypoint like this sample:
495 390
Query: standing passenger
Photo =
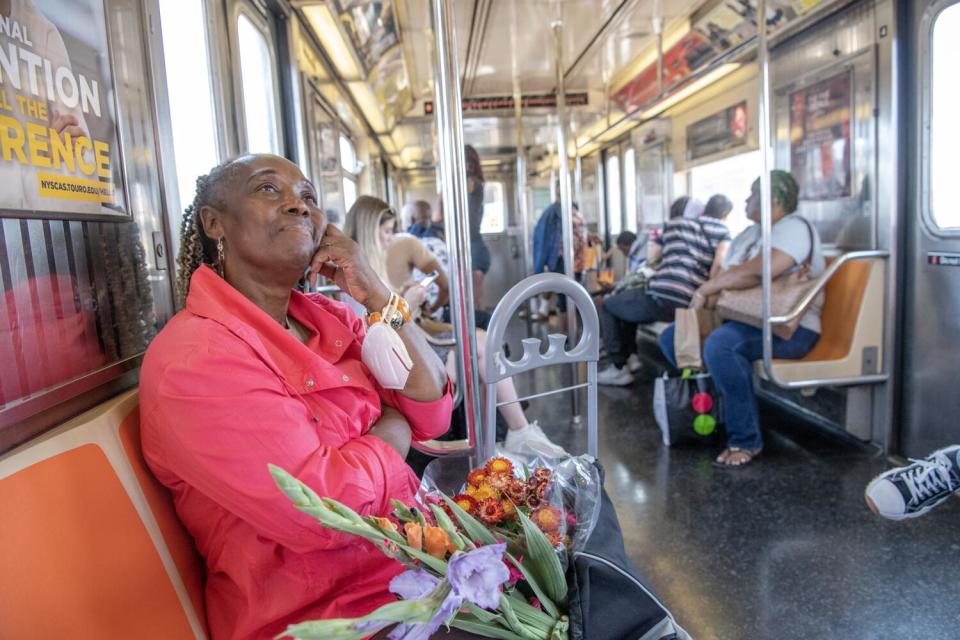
479 253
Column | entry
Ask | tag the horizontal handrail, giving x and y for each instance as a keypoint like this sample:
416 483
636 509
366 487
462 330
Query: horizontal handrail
443 447
800 308
804 304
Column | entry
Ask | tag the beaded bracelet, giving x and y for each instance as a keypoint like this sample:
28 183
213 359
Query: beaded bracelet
395 314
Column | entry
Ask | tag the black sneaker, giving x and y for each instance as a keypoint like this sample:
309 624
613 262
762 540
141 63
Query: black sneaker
911 491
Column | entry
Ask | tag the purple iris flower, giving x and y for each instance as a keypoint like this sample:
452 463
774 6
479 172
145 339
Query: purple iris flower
413 584
447 608
476 576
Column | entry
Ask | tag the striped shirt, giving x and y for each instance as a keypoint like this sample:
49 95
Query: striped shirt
688 250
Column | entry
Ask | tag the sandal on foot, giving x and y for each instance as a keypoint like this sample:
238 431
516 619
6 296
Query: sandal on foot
736 457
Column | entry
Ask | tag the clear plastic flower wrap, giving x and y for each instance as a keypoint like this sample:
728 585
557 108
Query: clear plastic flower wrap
560 495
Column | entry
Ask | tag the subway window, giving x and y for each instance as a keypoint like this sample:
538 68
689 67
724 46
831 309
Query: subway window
192 116
494 209
259 87
350 167
731 177
614 206
944 126
630 188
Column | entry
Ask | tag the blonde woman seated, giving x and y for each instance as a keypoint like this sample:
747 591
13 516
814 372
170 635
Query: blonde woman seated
372 224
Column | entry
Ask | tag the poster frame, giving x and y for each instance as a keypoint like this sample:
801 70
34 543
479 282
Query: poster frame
120 216
840 67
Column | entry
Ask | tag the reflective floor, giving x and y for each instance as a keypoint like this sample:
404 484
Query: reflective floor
783 549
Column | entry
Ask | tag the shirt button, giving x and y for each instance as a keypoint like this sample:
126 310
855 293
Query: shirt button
338 343
310 383
345 378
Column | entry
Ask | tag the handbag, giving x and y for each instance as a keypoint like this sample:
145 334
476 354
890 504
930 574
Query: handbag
687 408
786 291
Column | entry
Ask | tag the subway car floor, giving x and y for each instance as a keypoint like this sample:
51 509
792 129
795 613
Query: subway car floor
785 548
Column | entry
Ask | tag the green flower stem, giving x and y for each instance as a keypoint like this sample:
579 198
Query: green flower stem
530 615
483 630
548 606
514 623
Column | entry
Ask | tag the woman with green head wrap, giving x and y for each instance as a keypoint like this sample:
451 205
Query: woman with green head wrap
730 350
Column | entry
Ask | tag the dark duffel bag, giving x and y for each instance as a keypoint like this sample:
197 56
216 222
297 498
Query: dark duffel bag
608 600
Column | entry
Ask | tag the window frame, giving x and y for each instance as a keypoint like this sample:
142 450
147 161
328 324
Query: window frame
261 22
925 112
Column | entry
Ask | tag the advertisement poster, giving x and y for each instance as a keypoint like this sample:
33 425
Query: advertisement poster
719 132
820 138
372 27
685 57
59 146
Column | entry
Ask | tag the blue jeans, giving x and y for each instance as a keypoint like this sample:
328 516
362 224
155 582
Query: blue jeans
728 354
622 313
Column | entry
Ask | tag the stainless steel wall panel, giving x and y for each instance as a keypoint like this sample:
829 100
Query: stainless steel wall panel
81 297
844 43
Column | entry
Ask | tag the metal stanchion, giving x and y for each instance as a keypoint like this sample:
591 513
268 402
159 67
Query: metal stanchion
566 198
453 181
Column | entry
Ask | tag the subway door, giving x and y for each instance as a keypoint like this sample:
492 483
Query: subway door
504 238
931 296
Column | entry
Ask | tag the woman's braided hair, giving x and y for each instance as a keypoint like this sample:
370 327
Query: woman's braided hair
196 247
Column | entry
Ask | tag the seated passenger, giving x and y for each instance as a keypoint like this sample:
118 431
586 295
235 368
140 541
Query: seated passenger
421 221
251 373
370 222
730 350
687 251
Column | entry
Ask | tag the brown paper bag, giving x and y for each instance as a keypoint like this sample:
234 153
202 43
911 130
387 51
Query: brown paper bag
692 328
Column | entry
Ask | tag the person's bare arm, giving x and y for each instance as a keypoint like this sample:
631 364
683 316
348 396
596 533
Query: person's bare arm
340 259
393 429
718 257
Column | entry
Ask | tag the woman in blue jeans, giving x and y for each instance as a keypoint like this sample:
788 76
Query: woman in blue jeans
730 350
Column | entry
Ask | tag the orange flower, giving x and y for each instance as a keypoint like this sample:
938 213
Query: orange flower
499 482
482 492
499 466
437 541
466 502
555 539
517 491
385 524
414 535
477 477
542 475
509 510
491 511
547 518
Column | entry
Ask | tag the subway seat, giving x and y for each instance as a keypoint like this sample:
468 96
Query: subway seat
852 327
91 547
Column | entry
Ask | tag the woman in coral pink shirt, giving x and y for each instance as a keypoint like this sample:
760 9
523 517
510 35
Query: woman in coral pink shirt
250 373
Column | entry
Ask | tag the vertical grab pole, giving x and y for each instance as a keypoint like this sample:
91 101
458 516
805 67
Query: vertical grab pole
566 199
766 195
453 181
521 164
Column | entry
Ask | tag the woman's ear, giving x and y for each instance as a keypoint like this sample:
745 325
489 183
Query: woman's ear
210 219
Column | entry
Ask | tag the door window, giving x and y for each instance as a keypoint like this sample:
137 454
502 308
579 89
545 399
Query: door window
630 188
614 205
188 75
944 124
258 85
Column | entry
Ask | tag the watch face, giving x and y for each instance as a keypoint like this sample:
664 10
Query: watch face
396 321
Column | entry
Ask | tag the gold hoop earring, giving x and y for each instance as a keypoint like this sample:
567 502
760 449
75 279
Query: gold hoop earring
220 257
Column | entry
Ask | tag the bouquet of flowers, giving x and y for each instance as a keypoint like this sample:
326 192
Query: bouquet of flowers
489 560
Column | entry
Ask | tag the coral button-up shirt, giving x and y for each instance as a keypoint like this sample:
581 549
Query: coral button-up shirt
225 390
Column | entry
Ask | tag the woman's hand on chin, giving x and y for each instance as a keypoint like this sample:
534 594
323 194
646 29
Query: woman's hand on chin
339 259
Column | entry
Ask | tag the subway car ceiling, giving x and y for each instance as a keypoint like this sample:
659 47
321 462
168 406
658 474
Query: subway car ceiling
666 92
